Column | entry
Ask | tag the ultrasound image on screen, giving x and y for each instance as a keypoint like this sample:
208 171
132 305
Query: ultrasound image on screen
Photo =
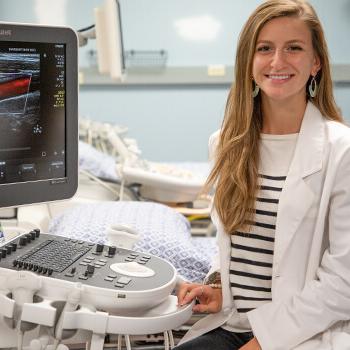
19 96
32 112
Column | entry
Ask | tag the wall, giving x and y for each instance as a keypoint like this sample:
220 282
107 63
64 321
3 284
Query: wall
173 122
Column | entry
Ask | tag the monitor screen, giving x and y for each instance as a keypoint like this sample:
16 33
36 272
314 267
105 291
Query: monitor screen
38 114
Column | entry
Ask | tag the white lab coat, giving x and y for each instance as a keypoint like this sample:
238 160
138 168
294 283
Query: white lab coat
310 306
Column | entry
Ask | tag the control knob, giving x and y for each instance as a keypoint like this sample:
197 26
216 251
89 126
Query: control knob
23 241
32 235
112 250
99 248
3 252
90 269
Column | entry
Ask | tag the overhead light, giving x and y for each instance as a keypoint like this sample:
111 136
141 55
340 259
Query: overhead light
202 28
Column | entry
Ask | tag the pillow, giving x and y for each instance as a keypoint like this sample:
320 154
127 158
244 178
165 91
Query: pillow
163 232
97 163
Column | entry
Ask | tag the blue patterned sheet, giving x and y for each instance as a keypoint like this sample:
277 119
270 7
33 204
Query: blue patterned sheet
163 231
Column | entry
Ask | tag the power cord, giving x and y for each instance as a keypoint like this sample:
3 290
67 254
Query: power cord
100 182
86 28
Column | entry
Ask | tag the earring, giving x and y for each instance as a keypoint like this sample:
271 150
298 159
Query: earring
256 90
313 87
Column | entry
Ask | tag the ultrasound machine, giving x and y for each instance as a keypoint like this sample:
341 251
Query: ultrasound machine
51 287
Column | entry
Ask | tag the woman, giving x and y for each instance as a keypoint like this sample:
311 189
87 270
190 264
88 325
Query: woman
282 201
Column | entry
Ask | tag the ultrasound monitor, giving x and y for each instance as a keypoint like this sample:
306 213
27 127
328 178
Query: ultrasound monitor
38 114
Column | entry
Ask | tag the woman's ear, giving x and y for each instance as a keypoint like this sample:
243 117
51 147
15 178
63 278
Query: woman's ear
316 66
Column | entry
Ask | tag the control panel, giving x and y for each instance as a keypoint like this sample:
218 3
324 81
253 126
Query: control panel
113 277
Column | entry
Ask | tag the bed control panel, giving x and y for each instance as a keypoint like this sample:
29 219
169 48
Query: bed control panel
104 271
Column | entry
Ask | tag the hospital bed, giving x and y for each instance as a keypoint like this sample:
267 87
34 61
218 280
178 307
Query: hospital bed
159 181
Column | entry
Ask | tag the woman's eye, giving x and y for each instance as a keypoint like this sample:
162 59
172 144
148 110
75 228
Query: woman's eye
294 48
264 48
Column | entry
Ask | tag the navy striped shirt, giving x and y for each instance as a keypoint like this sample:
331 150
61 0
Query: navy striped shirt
252 250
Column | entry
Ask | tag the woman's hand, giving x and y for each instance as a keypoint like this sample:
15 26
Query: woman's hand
210 299
253 344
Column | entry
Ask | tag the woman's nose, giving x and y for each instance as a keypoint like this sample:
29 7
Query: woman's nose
278 60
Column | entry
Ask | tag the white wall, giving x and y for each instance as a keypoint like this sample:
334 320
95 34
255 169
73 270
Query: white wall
173 123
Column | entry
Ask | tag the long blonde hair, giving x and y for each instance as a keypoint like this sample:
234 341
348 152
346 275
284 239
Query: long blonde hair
235 172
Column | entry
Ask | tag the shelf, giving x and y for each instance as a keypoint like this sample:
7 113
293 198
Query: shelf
184 76
170 76
341 73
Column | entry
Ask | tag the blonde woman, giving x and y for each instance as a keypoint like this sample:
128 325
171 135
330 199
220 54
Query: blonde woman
282 202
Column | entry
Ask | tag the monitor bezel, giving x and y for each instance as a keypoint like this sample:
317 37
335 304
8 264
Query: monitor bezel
40 191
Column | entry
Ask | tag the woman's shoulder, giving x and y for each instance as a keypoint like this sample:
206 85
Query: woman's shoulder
213 143
337 132
214 137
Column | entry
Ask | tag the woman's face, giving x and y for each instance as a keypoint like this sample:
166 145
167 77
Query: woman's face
284 59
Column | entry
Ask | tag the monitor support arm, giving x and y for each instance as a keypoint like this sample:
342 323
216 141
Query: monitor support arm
85 34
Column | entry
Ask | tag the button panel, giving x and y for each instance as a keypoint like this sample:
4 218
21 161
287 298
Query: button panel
75 261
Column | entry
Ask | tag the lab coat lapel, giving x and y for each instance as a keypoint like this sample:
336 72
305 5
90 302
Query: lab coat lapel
296 197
